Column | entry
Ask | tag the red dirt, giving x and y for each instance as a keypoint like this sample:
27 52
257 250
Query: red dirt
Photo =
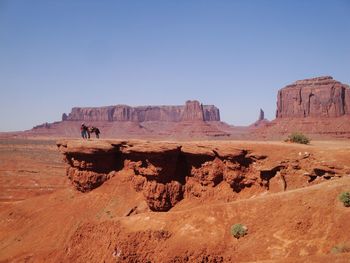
112 223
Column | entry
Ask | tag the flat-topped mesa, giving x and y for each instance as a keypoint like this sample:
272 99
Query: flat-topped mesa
193 110
315 97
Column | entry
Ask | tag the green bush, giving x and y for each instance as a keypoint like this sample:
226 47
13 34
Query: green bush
341 248
298 138
239 230
345 198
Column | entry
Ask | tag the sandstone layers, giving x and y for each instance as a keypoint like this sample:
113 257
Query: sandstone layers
192 111
167 172
318 107
316 97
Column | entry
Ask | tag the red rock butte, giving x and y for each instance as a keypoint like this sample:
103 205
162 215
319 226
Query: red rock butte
316 97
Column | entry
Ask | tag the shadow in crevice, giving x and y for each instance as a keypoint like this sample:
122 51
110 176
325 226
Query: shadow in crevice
266 175
326 174
183 169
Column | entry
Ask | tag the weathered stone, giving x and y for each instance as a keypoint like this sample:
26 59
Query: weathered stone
261 120
166 172
261 115
64 117
193 110
316 97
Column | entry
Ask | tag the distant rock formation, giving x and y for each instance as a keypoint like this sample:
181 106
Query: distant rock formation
261 120
261 115
64 117
192 111
316 97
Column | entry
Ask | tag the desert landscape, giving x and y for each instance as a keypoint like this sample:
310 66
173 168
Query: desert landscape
174 131
136 197
157 201
319 107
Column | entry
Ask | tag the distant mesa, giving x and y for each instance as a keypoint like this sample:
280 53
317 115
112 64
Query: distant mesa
319 107
191 111
45 125
315 97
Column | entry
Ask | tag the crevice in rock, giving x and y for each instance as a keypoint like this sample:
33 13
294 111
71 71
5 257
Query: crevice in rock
243 159
196 160
322 172
183 169
131 211
238 184
266 175
318 172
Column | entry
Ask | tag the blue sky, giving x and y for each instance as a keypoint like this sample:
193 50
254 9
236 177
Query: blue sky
55 55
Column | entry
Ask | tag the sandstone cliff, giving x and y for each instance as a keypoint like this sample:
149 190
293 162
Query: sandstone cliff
191 111
316 97
168 172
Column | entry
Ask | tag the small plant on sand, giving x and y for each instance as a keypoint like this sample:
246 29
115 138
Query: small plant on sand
239 230
298 138
340 248
345 198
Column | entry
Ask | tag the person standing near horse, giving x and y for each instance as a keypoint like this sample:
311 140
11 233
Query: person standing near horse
84 131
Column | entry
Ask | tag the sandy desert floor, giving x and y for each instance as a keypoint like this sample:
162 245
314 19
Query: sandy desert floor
44 219
29 168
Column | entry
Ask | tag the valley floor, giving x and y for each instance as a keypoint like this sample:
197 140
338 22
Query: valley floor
43 218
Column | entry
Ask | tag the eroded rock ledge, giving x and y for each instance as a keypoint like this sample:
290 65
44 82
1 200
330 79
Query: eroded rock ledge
167 172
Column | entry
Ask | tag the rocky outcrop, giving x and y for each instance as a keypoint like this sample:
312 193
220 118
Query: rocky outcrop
192 110
261 120
316 97
64 117
164 172
261 115
167 173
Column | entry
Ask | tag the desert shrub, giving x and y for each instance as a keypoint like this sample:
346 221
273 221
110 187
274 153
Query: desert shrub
239 230
341 248
345 198
298 138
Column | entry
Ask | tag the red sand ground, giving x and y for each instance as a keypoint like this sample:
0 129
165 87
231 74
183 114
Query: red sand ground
44 219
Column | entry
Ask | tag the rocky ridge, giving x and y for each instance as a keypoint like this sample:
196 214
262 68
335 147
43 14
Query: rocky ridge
167 172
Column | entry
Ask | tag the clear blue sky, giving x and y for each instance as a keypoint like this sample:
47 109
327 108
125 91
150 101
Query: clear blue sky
55 55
